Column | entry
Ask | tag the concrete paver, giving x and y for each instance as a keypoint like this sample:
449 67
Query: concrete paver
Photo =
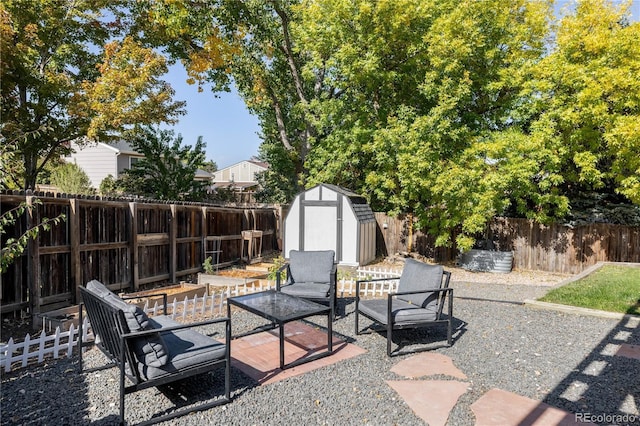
629 351
501 408
427 364
257 355
431 400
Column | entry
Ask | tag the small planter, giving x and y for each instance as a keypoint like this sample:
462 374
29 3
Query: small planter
176 291
215 283
486 261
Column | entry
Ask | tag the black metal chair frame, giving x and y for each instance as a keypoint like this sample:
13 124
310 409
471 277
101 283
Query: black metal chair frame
109 324
444 293
332 299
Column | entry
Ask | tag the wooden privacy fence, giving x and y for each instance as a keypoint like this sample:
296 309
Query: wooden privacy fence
552 248
124 244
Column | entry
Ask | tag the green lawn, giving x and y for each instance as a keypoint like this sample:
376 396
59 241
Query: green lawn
611 288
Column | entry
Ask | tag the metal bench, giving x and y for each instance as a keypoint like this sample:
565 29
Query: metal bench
159 349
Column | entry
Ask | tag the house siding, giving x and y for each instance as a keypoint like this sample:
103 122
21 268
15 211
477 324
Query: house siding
98 161
244 171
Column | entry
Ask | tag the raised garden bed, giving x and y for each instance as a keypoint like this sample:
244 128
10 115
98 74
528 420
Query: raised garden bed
253 276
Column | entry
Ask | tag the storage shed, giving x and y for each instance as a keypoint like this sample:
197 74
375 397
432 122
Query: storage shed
328 217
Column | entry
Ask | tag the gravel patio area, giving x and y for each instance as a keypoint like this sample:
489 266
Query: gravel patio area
565 360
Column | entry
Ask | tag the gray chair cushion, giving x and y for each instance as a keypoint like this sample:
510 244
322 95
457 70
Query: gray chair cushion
402 311
307 290
186 348
148 349
418 276
311 266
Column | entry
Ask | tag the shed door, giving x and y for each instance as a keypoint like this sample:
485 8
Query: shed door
320 227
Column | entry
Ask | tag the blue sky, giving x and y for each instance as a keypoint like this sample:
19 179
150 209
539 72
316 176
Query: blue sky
230 132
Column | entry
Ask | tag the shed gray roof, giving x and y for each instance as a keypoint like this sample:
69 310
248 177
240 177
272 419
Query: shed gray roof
363 212
359 204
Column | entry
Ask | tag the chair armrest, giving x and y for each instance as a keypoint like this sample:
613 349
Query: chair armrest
448 291
437 290
278 273
333 280
377 279
371 281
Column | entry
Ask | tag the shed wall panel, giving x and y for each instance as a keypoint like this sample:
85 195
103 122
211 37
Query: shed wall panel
327 217
349 235
292 228
320 228
312 194
329 195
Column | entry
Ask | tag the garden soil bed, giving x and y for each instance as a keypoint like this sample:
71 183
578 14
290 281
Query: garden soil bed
19 327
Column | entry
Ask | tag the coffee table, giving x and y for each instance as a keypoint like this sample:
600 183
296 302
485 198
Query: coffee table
281 308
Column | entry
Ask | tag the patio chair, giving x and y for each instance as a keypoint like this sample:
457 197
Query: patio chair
151 351
418 302
310 275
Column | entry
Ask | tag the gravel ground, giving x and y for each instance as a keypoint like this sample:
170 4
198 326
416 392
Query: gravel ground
564 360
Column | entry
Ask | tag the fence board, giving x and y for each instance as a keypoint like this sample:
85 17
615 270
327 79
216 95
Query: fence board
552 248
122 243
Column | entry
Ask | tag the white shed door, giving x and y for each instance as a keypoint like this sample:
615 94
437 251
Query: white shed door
320 227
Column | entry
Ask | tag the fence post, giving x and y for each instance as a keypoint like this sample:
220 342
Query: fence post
8 357
33 258
133 210
74 230
173 234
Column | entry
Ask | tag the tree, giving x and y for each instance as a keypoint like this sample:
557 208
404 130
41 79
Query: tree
210 166
62 82
71 179
13 247
249 44
452 112
588 101
108 186
424 123
457 112
167 170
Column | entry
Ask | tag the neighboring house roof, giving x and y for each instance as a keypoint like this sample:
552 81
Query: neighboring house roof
123 147
239 176
202 175
259 163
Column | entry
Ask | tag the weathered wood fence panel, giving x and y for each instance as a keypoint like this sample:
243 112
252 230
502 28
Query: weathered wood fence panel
124 244
559 248
552 248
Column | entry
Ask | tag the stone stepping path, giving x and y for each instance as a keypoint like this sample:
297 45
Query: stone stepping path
427 364
629 351
502 408
433 400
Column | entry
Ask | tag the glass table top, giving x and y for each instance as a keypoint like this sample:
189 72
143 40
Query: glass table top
278 306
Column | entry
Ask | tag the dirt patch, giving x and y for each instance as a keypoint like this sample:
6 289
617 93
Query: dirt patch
241 273
515 277
19 327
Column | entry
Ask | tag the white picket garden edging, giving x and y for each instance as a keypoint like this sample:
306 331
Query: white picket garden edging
62 343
